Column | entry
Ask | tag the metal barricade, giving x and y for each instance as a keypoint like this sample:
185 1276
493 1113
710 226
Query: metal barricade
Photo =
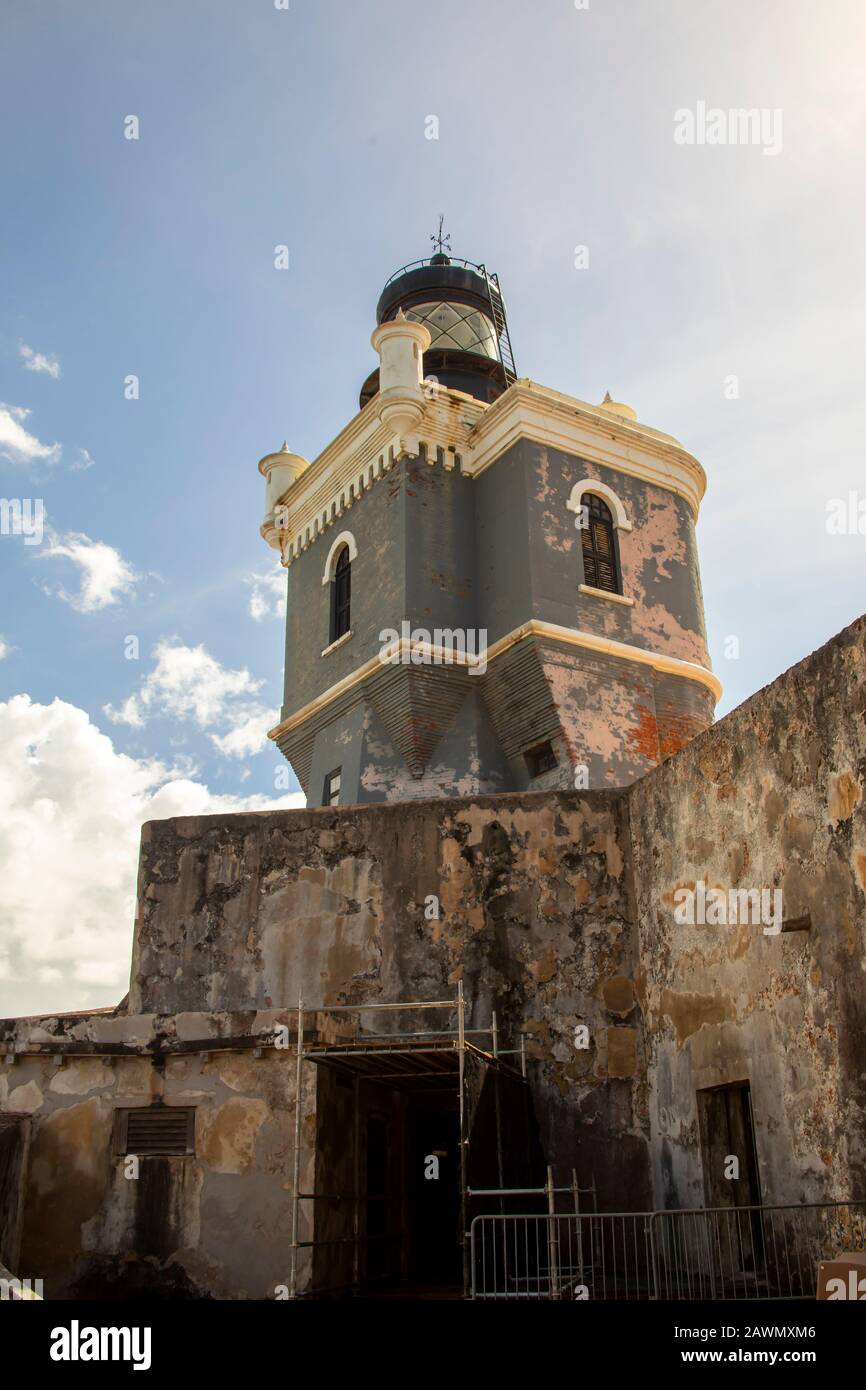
561 1256
757 1252
751 1252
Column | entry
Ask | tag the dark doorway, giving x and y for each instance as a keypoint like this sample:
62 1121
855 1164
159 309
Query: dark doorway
727 1130
435 1251
384 1225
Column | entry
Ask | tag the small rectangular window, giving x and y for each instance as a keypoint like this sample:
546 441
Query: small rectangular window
540 759
160 1129
333 782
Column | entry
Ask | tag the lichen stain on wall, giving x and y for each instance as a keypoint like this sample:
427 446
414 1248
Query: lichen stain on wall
26 1098
690 1012
845 796
66 1182
230 1133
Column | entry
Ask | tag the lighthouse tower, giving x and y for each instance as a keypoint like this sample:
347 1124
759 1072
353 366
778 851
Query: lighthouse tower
491 586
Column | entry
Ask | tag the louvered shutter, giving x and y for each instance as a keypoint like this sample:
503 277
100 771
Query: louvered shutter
599 555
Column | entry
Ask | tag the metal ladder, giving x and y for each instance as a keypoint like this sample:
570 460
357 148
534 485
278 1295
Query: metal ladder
503 338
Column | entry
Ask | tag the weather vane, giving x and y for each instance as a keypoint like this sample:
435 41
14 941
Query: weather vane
442 242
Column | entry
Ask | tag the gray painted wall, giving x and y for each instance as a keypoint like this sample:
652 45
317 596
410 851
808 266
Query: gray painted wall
441 550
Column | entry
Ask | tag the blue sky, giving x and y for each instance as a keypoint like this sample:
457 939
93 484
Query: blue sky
306 127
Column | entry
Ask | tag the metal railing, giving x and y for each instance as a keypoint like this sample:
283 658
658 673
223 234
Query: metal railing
751 1252
425 262
769 1252
561 1255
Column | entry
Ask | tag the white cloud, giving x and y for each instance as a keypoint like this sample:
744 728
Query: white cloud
248 731
39 361
71 808
268 597
188 683
17 443
84 461
4 648
105 576
129 713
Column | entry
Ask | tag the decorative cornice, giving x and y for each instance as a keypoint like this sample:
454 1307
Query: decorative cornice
360 455
529 411
609 646
590 641
455 427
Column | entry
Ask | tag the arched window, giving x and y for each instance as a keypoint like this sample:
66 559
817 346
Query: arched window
341 595
599 551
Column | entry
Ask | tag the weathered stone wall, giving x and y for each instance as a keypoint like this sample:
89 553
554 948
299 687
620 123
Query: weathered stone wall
772 797
216 1223
534 893
541 919
555 909
246 911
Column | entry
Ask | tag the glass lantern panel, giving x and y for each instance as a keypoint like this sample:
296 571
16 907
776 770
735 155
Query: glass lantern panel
456 326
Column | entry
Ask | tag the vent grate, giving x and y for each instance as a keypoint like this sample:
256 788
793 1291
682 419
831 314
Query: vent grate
160 1129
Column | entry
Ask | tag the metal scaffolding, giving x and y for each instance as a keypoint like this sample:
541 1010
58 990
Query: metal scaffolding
416 1062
